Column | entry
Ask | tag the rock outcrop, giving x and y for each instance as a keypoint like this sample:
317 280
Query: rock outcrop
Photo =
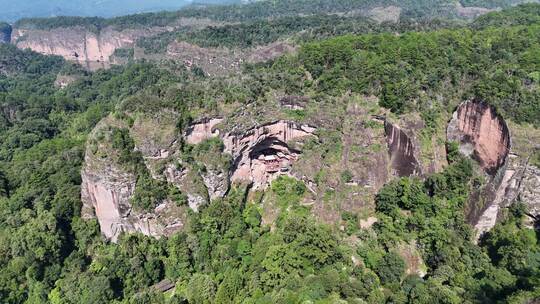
520 182
107 189
484 135
262 153
92 49
258 155
401 150
5 33
202 130
481 133
471 11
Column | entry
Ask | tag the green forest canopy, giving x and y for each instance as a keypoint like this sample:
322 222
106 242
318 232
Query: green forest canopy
49 254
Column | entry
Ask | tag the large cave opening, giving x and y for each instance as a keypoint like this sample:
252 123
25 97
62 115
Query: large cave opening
265 161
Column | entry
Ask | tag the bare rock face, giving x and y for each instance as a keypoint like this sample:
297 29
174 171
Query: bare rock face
530 192
471 11
106 196
62 81
200 131
481 133
79 44
216 182
401 150
262 153
382 14
520 182
5 33
107 189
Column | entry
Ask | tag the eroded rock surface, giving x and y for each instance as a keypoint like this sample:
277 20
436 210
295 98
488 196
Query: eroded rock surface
262 153
107 189
385 14
200 131
520 182
481 133
401 150
471 11
91 49
530 192
259 155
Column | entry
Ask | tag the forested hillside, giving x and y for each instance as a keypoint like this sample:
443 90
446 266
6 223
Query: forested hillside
270 10
420 249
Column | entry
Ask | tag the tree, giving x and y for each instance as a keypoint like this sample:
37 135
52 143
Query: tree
201 289
391 268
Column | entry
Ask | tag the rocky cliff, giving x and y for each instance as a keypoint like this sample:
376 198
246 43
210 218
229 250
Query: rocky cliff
481 134
262 153
402 151
219 61
108 187
92 49
484 135
253 156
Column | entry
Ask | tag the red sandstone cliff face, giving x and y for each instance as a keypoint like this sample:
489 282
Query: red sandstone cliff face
481 134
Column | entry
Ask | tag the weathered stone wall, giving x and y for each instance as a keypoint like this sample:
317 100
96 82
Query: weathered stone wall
90 49
401 151
481 133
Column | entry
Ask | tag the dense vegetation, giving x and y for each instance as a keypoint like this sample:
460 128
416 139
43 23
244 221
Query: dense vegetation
226 255
410 70
262 32
519 15
263 10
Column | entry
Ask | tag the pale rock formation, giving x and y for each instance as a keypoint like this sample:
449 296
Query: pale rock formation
389 13
107 189
106 195
262 153
216 182
472 11
79 44
521 182
195 201
368 223
530 192
200 131
62 81
222 61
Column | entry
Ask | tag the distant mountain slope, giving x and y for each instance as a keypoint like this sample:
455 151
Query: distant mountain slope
243 10
13 10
